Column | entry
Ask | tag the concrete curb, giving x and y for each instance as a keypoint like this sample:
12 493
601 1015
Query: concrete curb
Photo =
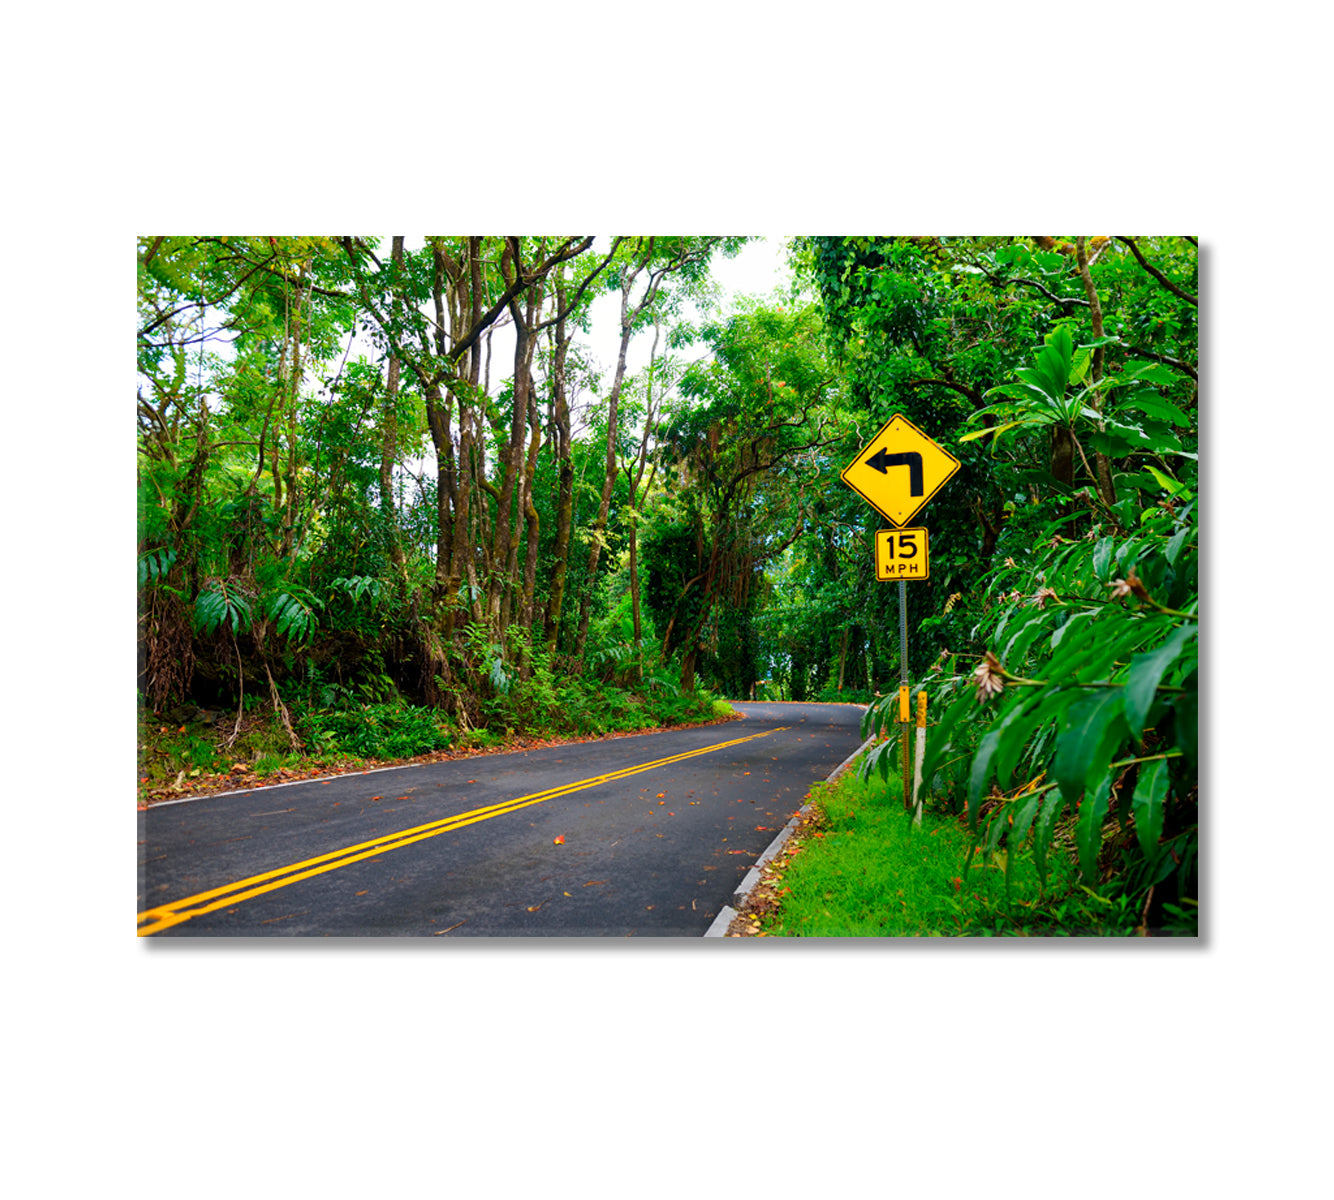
724 919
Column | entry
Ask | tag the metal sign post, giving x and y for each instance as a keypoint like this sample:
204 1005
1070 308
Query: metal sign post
897 472
903 687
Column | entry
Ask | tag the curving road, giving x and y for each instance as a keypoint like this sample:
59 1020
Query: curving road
636 836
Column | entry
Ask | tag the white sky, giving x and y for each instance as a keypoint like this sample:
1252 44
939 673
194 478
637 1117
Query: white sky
759 268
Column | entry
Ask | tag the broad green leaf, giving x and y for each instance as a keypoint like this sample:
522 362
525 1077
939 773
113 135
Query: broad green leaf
1094 645
1173 551
999 429
1017 730
1024 809
1165 481
1059 354
1155 406
1051 705
1015 391
1122 633
878 715
1024 636
155 564
1147 805
1156 373
980 772
1041 383
1102 559
1146 670
1079 365
1088 826
1078 745
939 738
1059 635
872 762
1050 811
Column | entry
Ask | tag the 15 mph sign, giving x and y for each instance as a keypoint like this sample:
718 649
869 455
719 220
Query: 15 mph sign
899 470
901 554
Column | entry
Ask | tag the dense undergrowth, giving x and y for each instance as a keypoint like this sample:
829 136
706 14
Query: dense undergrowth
861 868
188 748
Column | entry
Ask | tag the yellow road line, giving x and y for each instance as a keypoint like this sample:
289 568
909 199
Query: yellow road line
164 916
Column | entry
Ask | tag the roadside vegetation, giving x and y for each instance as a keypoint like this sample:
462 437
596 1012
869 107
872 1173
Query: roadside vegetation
189 750
858 866
392 503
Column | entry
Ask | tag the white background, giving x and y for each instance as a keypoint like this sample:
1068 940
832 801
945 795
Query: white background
559 1070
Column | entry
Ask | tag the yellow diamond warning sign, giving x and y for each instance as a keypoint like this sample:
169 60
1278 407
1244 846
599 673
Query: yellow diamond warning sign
899 470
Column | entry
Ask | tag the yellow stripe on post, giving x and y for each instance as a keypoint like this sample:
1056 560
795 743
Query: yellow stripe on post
921 757
903 703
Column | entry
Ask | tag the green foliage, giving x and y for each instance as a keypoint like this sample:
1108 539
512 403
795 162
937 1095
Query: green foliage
154 566
1079 724
393 730
361 589
293 614
865 870
223 604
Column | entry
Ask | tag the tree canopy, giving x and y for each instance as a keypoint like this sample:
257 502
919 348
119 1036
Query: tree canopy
389 471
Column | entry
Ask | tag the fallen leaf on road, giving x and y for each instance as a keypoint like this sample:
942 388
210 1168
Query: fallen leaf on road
558 839
535 907
595 883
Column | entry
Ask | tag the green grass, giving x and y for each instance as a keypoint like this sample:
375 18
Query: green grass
867 871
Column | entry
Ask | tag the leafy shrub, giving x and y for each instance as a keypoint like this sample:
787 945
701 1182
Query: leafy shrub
1078 728
375 731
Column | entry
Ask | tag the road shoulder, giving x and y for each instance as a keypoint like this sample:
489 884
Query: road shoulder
729 921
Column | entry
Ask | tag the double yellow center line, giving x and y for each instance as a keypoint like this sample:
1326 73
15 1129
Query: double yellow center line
154 920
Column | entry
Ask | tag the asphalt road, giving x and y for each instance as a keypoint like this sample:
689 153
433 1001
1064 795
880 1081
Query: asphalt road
636 836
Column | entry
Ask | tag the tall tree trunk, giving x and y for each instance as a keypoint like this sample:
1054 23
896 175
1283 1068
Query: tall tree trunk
610 470
389 456
531 530
691 647
513 494
1101 464
560 413
635 477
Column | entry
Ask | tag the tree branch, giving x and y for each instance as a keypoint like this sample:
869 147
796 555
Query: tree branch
945 383
1157 274
1136 352
1033 283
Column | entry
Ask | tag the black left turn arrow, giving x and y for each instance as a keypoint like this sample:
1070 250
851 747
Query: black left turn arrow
882 460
